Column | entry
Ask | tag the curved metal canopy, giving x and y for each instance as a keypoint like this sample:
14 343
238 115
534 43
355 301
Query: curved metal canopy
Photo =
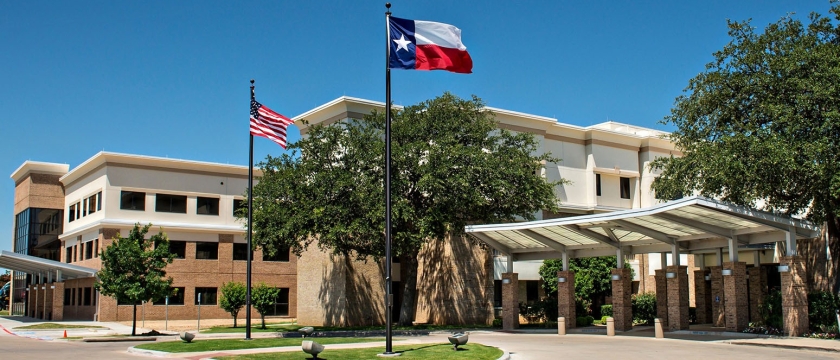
35 265
694 224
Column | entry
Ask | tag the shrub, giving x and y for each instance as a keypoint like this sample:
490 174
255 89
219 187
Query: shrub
584 320
771 309
604 319
497 322
644 308
606 310
582 306
821 309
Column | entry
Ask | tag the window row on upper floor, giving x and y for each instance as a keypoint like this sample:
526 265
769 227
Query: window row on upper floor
172 203
85 207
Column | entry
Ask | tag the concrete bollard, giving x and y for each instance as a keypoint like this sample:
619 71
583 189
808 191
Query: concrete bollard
610 326
561 326
657 325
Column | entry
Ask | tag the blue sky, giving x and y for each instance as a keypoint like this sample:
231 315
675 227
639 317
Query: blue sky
170 78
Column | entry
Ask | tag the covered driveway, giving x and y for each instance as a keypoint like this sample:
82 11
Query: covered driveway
694 225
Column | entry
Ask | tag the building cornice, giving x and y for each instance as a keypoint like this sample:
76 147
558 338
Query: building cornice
38 167
165 226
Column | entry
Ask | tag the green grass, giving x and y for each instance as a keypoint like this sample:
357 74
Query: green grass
236 344
4 312
53 326
293 327
409 352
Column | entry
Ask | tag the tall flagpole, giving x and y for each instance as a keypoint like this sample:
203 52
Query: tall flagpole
389 298
250 224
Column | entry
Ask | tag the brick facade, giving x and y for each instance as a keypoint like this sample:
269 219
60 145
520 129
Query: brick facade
736 306
702 297
661 297
566 298
622 307
717 296
758 290
794 296
510 305
677 289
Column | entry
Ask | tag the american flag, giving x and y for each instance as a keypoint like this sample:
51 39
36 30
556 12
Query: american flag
268 124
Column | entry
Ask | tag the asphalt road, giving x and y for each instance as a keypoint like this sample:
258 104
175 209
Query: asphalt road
16 347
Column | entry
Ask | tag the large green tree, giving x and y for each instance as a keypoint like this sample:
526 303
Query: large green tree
452 166
761 124
592 275
133 269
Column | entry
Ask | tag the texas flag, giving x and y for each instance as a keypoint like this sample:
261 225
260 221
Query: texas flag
426 45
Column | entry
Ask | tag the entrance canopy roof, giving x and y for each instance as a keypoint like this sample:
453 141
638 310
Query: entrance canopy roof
47 268
694 225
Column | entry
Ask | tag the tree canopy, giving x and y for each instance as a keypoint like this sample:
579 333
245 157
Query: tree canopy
761 125
451 166
762 122
233 298
133 269
592 275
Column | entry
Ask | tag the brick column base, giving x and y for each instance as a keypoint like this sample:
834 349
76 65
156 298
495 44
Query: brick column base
794 296
677 298
737 307
510 301
661 297
566 298
622 307
756 292
718 315
58 302
702 297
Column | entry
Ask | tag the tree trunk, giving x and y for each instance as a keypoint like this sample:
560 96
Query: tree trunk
234 320
263 320
408 277
833 247
134 320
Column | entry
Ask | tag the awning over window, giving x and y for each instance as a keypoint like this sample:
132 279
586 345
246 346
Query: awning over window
695 225
47 268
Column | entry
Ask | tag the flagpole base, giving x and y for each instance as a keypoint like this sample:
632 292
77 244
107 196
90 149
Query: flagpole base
387 354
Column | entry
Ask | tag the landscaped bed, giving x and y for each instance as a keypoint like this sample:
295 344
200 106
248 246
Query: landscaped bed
54 326
237 344
294 327
424 351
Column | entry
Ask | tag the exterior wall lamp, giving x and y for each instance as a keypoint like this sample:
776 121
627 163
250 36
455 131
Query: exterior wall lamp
615 277
670 275
783 268
561 279
726 272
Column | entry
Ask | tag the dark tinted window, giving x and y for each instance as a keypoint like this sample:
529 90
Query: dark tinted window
171 203
131 200
625 188
67 297
208 295
179 248
207 206
598 184
240 251
532 291
206 250
176 297
99 201
239 204
87 296
280 255
281 303
72 214
89 250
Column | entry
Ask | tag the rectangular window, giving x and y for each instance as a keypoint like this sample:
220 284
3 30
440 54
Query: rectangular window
497 293
67 297
84 207
598 184
240 251
280 255
281 303
79 298
87 296
89 250
96 248
132 200
171 203
207 206
91 202
73 296
239 204
179 248
625 188
78 210
68 254
72 213
176 297
208 295
207 251
99 201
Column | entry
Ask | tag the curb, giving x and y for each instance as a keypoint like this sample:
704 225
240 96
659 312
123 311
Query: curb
783 346
119 339
154 353
721 333
505 355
